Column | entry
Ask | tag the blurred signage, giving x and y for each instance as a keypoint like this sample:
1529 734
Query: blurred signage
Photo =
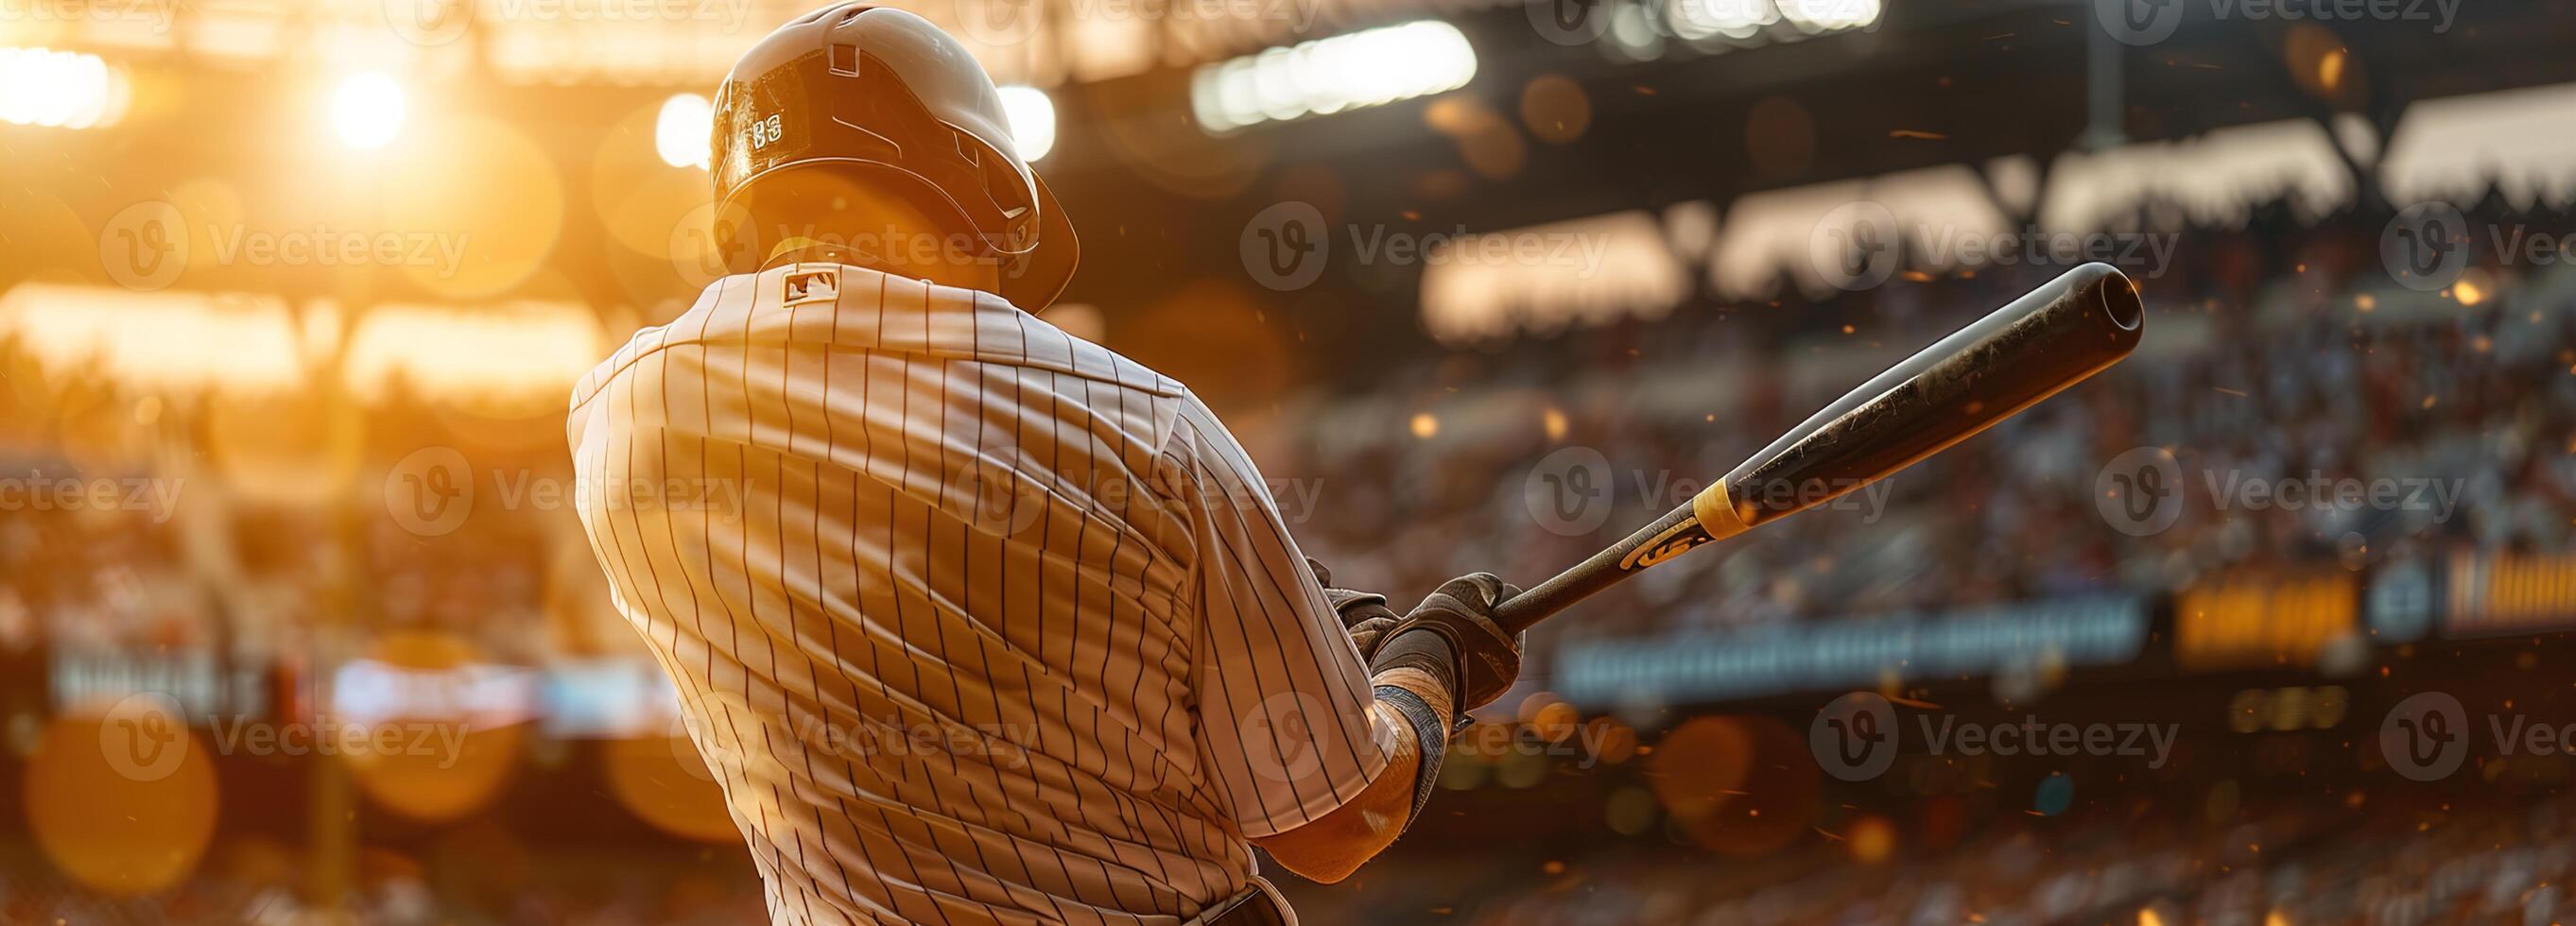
1583 273
610 698
1849 652
2493 594
202 684
2402 602
2280 710
2262 620
479 694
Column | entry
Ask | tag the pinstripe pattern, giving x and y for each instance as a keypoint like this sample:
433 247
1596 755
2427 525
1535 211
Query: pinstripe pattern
1005 627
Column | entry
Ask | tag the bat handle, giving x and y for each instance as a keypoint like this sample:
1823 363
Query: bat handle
1675 533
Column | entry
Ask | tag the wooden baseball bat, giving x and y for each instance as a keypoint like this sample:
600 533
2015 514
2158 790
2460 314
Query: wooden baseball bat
2055 336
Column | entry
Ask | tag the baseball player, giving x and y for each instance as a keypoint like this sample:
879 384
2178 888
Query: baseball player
1005 627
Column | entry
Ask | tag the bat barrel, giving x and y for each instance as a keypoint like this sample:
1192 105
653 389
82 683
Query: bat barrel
2051 338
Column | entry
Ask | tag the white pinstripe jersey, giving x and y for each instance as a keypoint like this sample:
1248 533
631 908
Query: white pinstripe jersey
974 621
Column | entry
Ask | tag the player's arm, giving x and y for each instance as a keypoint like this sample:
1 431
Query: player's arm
1337 843
1418 676
1293 724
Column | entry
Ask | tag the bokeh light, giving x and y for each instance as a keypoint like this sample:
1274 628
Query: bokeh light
1032 115
680 131
368 110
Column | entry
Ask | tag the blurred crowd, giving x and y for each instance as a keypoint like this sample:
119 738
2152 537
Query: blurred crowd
2303 863
2279 350
2282 350
253 882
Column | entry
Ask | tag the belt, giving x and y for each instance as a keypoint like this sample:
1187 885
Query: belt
1258 905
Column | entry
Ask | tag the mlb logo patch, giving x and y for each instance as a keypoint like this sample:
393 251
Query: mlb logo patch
819 285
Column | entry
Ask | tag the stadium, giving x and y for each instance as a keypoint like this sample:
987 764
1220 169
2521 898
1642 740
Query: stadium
2260 625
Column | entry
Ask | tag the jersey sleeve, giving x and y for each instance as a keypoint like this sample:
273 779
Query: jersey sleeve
1284 730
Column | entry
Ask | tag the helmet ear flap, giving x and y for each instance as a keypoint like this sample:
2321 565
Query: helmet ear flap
1013 195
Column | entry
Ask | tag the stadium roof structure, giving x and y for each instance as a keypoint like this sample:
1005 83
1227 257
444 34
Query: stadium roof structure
1917 89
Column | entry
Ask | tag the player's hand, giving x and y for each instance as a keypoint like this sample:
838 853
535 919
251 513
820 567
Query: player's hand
1460 611
1364 614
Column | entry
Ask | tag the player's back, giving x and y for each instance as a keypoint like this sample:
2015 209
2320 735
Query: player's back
912 557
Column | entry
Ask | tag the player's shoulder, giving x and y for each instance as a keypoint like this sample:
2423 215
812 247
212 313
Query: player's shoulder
855 308
1009 335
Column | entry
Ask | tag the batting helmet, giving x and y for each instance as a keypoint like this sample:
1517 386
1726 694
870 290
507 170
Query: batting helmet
874 92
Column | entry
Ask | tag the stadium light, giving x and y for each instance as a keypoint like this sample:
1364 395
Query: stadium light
367 110
60 89
1366 68
1819 16
1032 115
680 133
1734 19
